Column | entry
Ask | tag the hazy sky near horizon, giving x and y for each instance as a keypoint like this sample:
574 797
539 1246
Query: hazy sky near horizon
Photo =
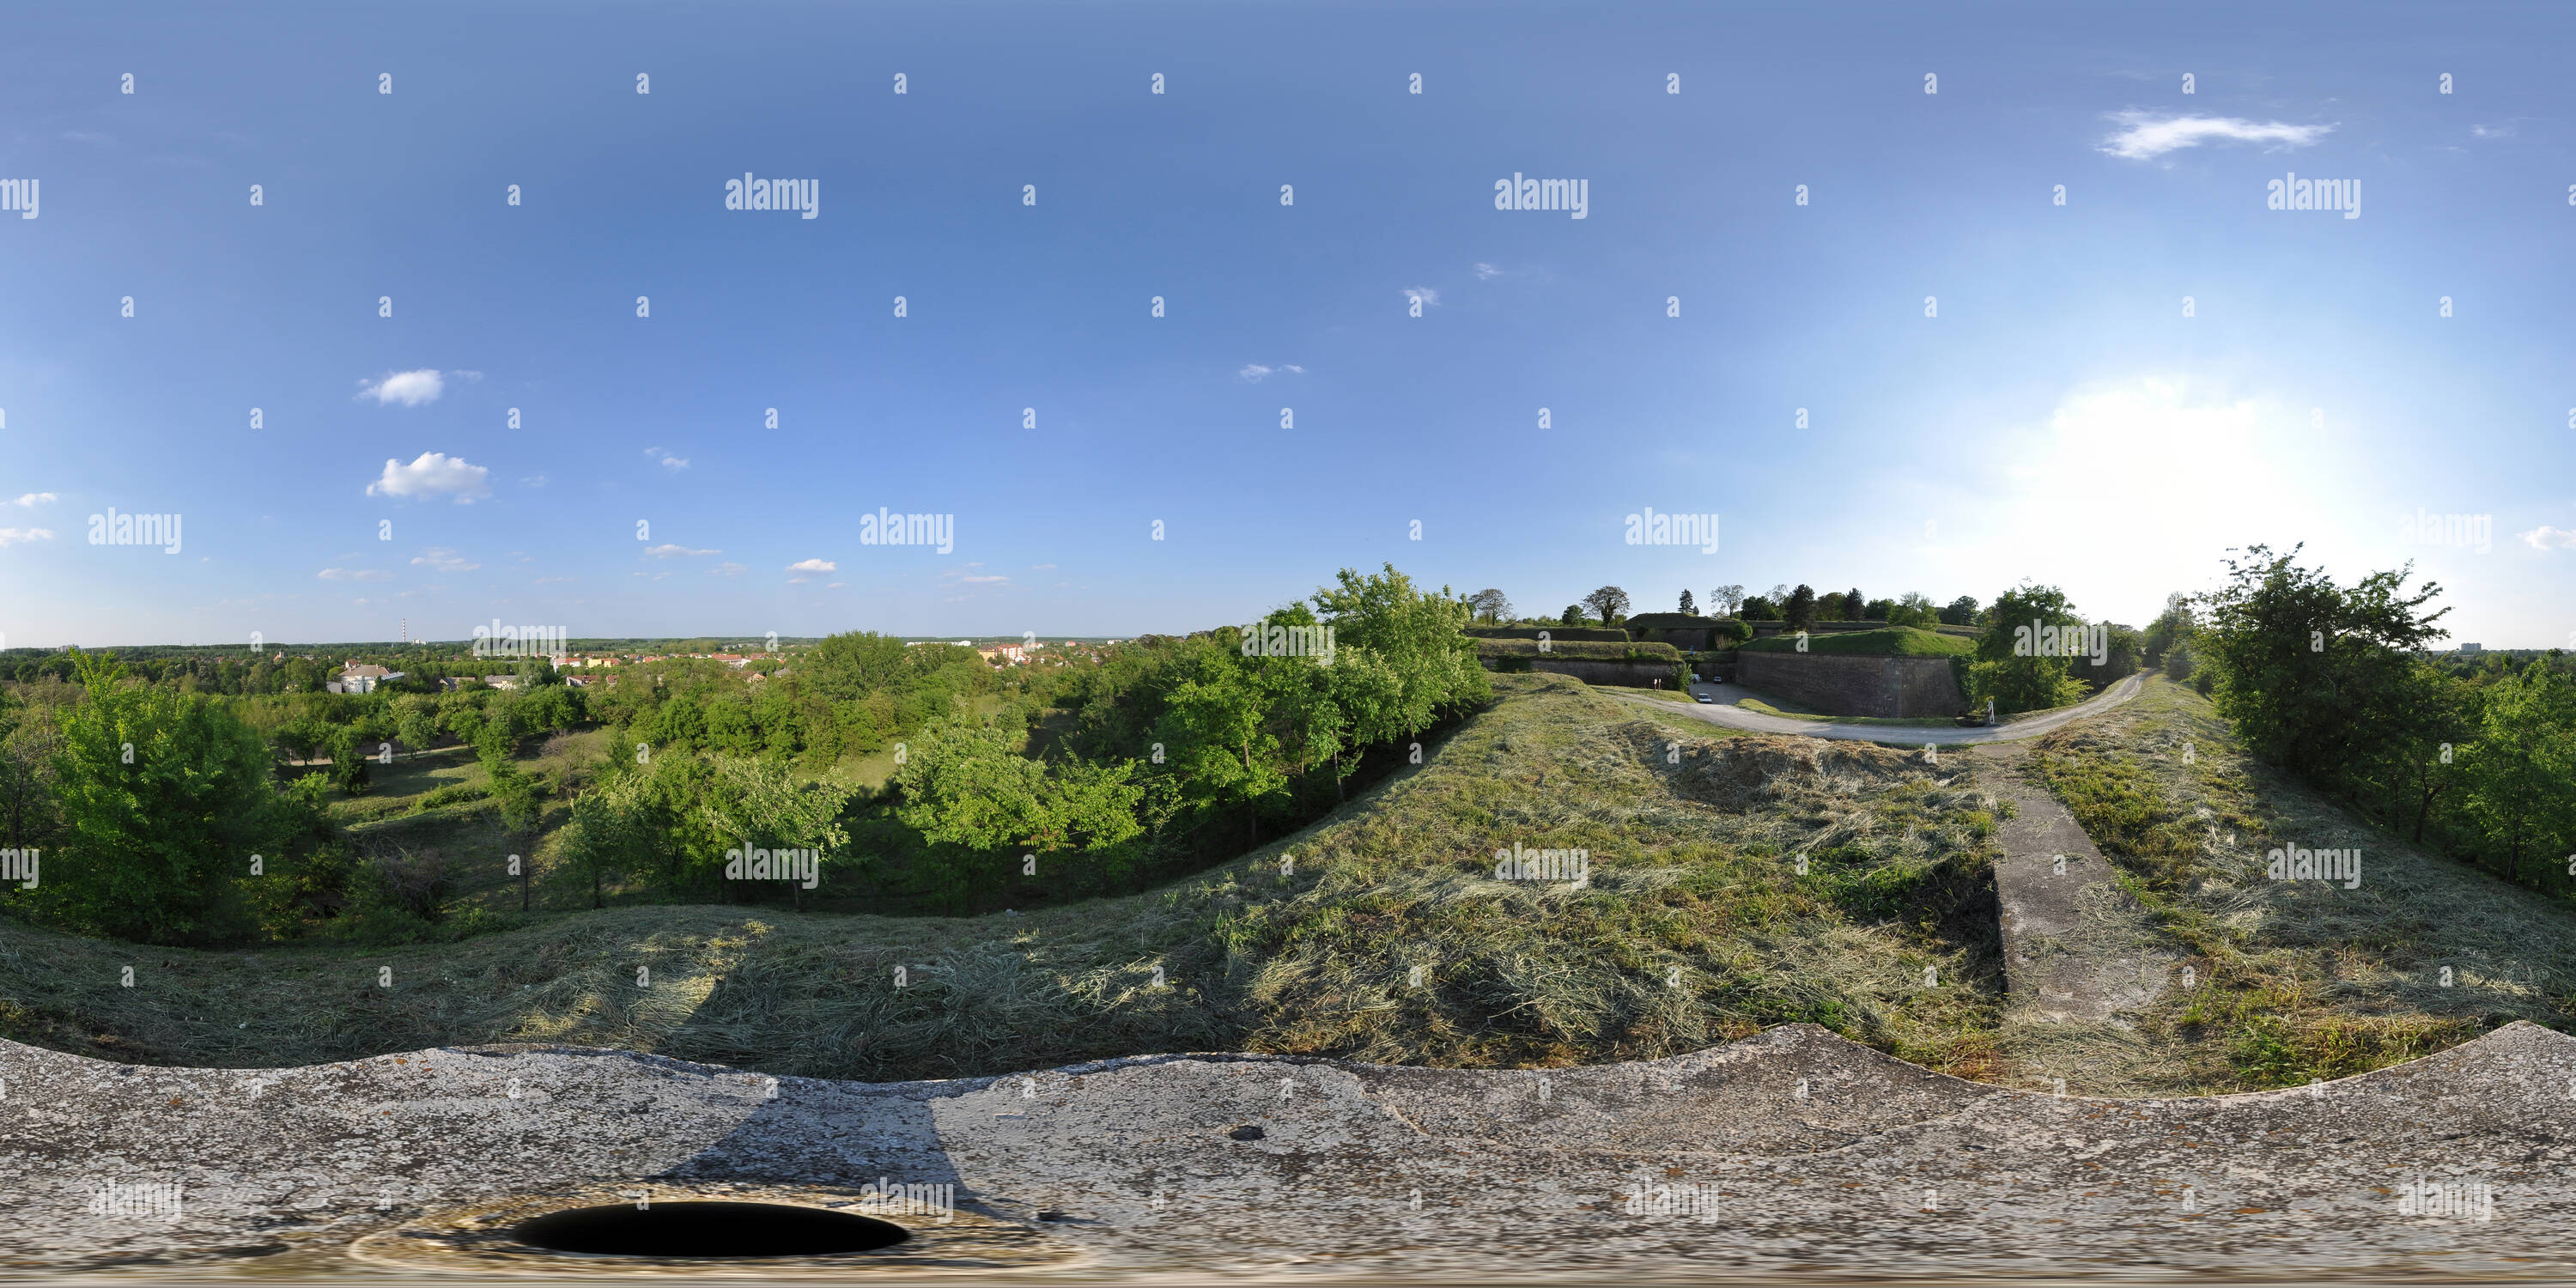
2060 419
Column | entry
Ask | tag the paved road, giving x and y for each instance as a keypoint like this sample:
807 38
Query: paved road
1724 712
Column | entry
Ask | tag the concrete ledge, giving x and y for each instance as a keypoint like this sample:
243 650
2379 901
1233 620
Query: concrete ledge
1794 1150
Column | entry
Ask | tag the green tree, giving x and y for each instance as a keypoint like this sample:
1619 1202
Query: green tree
2171 629
1915 609
1800 608
164 797
2316 677
1961 611
1609 603
2521 768
2015 664
1572 616
1687 605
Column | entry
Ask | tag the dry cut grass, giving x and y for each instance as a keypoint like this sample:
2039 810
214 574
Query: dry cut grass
1695 927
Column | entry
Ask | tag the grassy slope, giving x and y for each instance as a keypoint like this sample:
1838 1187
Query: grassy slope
1691 870
1891 641
2298 980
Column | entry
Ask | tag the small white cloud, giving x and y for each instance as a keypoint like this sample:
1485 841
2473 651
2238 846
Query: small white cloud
410 388
814 565
2545 537
2491 131
1487 271
533 480
1423 295
12 536
356 574
433 474
2143 137
1041 567
1254 371
675 464
467 375
442 559
552 581
834 585
728 570
38 498
667 551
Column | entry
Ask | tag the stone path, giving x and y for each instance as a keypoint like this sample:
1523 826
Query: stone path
2077 946
1724 712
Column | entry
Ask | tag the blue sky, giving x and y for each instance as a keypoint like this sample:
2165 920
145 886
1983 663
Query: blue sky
2060 419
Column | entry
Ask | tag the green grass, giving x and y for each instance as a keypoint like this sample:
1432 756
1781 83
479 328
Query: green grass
2297 979
1886 641
1778 707
1695 929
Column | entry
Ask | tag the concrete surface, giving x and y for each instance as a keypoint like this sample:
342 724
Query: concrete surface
1723 712
2077 946
1793 1153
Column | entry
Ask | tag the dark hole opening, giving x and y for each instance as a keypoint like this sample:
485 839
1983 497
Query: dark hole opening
709 1230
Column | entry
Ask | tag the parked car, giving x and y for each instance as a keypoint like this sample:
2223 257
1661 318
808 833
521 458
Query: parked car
1705 698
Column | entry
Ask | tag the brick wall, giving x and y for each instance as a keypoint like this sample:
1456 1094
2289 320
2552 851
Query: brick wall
1640 674
1855 686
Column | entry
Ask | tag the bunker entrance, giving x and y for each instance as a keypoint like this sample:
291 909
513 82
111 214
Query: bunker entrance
708 1230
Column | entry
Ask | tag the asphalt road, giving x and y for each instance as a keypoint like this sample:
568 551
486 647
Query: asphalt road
1724 712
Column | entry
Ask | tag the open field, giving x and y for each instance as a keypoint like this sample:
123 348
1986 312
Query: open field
1693 927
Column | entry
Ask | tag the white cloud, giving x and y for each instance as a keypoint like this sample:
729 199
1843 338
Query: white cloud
12 536
729 570
533 480
1041 567
2545 537
669 462
1485 271
410 388
2144 138
442 559
434 474
1423 295
356 574
1254 371
552 581
667 551
814 565
834 585
2491 131
38 498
